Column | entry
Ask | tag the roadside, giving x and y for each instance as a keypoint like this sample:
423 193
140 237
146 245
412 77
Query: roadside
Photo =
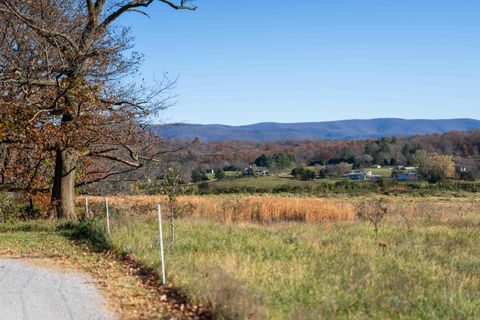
131 291
39 290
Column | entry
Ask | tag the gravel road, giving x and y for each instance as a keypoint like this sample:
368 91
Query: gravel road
30 292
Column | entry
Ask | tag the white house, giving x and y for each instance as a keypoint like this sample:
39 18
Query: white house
256 171
358 175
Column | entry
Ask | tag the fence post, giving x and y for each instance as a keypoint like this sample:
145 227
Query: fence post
87 211
108 216
164 280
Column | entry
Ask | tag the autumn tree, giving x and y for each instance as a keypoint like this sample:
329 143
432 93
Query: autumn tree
65 95
435 168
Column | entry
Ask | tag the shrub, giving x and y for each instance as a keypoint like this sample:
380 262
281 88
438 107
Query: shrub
220 175
8 209
303 173
374 212
199 176
12 210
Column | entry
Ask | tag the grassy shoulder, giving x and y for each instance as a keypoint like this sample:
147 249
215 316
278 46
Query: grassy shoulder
303 271
131 291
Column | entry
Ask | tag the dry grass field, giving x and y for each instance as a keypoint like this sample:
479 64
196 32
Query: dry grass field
260 209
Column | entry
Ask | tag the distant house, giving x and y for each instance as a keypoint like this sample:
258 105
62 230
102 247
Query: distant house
207 171
256 171
375 166
404 173
358 175
463 167
406 176
362 176
467 168
262 171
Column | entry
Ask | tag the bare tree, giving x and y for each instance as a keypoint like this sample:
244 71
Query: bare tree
171 188
373 211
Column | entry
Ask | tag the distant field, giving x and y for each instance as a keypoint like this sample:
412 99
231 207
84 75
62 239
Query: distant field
384 172
211 176
336 187
270 181
424 264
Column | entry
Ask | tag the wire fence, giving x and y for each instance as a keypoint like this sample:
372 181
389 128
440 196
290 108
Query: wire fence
115 216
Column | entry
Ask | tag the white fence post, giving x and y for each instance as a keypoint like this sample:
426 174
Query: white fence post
87 211
164 280
108 216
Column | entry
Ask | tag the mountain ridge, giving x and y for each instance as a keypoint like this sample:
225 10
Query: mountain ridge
351 129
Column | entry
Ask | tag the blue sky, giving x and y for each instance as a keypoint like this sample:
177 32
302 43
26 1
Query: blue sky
242 62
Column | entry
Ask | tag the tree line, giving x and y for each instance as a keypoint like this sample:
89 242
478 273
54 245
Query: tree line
338 156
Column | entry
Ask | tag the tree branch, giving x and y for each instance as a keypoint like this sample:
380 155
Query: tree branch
118 159
81 184
91 9
47 34
183 5
132 5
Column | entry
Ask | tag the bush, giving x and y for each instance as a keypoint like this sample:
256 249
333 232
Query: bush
12 210
467 176
231 168
220 174
204 187
303 173
199 176
8 209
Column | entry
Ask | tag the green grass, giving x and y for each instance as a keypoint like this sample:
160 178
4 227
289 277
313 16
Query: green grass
233 173
300 271
211 176
270 182
41 238
230 174
384 172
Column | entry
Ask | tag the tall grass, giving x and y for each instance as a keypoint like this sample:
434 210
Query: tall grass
428 266
313 271
261 209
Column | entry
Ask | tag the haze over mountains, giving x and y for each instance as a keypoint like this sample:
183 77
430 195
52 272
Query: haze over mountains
335 130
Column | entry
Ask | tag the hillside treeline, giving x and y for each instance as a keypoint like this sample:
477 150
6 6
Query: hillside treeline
186 158
236 155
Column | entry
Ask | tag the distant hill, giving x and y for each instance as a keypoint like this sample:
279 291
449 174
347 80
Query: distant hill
336 130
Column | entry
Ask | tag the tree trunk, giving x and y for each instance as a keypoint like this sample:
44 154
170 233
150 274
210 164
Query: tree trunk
63 191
